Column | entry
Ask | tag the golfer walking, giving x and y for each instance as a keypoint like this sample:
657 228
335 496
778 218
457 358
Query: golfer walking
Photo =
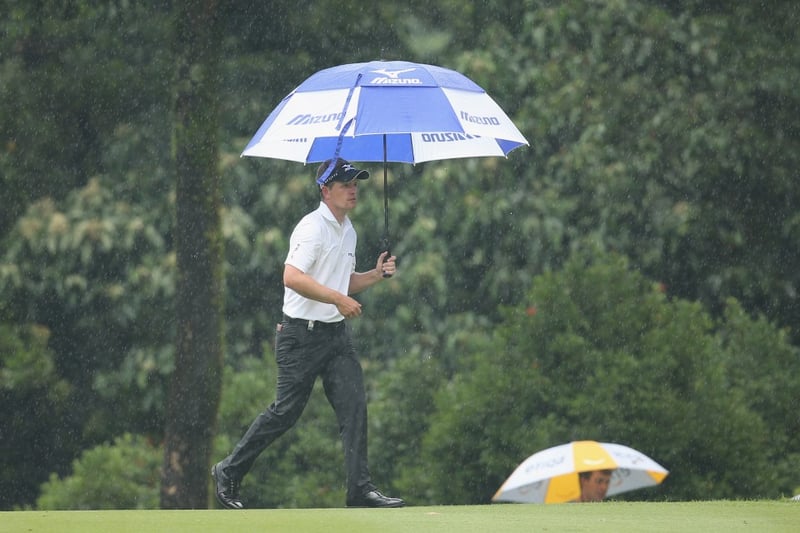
313 340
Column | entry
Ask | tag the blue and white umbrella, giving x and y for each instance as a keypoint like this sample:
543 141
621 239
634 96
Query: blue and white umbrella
390 111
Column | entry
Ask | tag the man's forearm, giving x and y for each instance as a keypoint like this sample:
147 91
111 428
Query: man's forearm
308 287
362 280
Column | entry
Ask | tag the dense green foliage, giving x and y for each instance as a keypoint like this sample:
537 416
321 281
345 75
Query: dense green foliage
129 480
631 276
603 354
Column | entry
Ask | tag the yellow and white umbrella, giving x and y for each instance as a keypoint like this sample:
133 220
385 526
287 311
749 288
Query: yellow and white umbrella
551 475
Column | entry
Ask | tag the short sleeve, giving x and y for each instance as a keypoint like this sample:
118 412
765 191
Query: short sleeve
304 245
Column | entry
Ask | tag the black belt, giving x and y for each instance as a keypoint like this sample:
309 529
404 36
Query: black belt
311 324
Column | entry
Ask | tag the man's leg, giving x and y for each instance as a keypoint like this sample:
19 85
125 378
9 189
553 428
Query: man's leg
298 362
344 386
268 426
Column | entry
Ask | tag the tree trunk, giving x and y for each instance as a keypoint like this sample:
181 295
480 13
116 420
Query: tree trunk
196 381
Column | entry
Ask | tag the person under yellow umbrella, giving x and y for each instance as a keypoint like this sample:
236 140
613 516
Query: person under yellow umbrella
554 475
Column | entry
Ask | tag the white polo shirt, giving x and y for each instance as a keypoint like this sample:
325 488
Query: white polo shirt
326 251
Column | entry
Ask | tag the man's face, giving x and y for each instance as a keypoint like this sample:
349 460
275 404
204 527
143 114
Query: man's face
342 196
594 489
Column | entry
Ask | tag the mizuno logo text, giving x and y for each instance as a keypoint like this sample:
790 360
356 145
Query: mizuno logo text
493 121
301 120
446 137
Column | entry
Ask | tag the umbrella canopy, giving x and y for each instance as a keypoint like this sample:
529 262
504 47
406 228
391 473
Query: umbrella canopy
385 111
551 475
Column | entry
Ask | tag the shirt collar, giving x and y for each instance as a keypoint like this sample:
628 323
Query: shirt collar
327 214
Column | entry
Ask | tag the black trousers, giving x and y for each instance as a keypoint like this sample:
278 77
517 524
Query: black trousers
302 355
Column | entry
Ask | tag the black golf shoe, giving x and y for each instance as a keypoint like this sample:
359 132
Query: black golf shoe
374 498
227 488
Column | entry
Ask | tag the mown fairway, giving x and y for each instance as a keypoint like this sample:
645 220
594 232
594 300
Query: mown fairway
705 517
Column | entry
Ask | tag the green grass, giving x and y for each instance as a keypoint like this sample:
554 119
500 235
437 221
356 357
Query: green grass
705 517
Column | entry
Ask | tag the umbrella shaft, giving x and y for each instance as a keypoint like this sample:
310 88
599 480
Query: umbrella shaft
385 197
